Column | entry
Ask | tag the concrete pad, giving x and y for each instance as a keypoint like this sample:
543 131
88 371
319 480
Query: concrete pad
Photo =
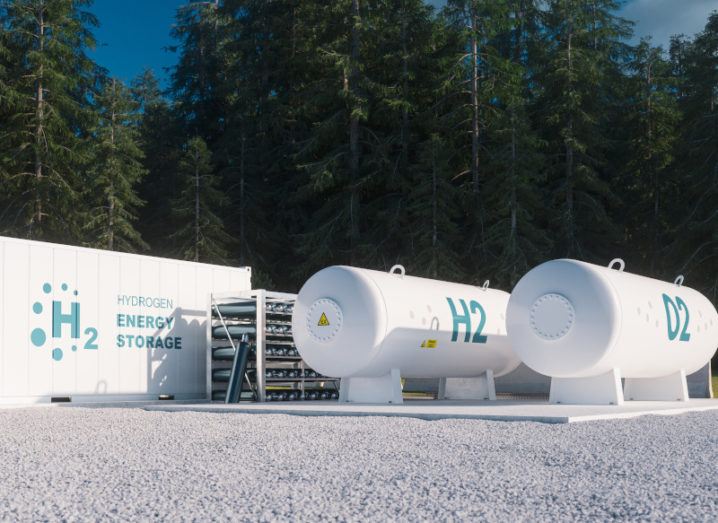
124 404
502 410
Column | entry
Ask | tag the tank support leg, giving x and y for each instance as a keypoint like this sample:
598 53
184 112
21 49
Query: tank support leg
478 388
604 389
384 389
673 387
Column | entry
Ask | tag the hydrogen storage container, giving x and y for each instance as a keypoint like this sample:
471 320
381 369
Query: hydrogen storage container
589 326
370 327
91 325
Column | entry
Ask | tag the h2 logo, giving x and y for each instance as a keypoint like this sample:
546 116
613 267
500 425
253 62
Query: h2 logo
59 319
677 316
464 319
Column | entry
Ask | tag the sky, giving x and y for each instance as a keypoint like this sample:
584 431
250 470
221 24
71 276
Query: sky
134 34
663 18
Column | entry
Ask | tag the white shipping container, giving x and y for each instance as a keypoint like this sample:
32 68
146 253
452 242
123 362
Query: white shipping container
98 325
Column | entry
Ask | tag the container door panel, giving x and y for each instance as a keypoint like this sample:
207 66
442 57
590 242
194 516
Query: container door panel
18 321
43 287
67 322
132 360
109 355
87 356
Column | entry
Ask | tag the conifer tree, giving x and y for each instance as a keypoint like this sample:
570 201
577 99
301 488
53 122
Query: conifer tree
516 236
582 44
652 126
46 95
199 207
433 214
259 58
403 53
333 157
696 201
5 64
116 169
476 20
433 217
160 138
198 73
467 143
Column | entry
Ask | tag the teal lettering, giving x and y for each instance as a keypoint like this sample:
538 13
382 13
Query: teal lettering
685 336
671 306
90 343
478 337
72 319
464 319
673 318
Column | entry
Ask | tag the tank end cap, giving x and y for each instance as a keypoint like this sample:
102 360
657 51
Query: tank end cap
324 320
552 316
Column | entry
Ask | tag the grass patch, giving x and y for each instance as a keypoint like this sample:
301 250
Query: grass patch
715 386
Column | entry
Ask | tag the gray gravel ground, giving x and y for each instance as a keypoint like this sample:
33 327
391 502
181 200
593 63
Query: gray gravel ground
125 464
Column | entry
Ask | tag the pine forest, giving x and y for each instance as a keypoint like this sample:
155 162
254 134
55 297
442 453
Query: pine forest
467 143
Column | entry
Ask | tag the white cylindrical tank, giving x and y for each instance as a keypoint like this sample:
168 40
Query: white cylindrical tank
351 322
571 319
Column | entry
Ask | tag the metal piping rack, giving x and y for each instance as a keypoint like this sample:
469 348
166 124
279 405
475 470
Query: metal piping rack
275 370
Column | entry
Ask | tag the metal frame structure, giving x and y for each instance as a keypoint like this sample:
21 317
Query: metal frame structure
262 339
235 348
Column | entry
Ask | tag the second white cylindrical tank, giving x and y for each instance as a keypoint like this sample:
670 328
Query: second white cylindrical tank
350 322
571 319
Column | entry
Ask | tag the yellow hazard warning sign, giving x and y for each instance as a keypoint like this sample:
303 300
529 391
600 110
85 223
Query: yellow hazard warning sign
323 321
428 344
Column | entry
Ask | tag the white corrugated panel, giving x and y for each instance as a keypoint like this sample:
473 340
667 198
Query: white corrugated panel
101 325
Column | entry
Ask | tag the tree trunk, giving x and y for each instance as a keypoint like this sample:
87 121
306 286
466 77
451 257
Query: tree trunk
512 197
474 105
354 148
111 192
242 200
594 28
434 212
405 94
39 120
475 128
111 219
294 30
196 206
651 165
569 219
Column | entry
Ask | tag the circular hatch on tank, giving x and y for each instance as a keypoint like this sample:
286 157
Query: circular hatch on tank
552 316
324 320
